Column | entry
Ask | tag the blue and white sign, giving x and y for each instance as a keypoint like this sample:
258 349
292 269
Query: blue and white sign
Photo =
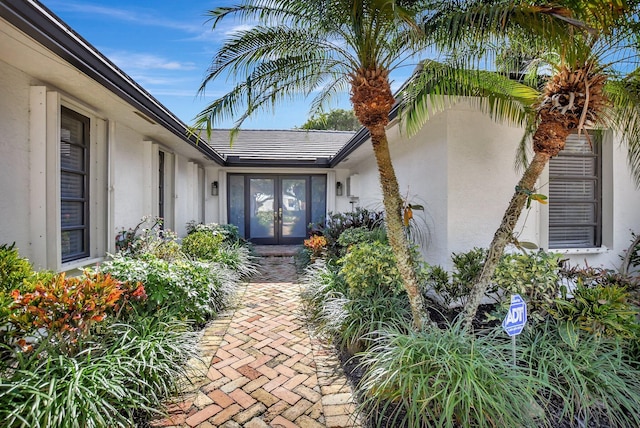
516 317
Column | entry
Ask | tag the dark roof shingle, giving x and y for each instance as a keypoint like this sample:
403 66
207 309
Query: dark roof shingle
287 146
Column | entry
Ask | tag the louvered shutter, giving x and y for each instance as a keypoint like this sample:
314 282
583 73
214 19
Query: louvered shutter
575 194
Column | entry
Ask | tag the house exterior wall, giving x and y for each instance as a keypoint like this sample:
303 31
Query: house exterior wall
123 173
481 179
421 166
14 158
460 167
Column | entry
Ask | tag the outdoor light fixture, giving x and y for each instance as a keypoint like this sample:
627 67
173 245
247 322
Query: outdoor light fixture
214 188
338 189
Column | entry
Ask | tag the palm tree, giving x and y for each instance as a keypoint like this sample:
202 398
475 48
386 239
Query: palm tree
594 82
294 48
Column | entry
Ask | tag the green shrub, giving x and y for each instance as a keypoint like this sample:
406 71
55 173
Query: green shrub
599 310
321 282
202 244
454 289
337 223
160 352
302 259
534 276
148 237
230 232
631 260
591 276
446 378
370 266
111 384
237 258
190 289
14 270
213 246
360 235
350 321
357 321
590 384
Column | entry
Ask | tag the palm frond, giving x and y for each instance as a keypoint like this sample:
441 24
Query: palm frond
268 84
241 53
264 11
437 85
458 23
334 86
625 117
316 44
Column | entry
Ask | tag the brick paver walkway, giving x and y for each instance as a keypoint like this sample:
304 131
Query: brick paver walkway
262 367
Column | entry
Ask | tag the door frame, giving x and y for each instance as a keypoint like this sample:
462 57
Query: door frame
277 239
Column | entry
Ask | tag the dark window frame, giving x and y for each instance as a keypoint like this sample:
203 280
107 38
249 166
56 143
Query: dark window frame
161 187
84 252
596 201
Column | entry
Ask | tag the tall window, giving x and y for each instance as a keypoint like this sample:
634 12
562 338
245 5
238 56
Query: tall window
74 185
575 188
161 187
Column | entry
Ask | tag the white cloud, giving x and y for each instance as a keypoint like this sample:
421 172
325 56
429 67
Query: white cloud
237 28
131 61
138 16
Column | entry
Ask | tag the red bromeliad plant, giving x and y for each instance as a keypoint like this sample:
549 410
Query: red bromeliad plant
66 308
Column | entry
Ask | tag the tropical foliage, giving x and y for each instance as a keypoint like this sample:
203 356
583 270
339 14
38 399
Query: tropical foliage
294 49
335 120
583 55
106 348
575 363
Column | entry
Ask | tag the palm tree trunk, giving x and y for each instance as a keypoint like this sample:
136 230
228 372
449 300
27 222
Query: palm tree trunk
393 219
504 234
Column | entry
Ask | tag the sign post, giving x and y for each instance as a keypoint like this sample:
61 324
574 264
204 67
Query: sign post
515 320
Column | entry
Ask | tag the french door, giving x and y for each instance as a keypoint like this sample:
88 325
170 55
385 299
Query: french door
276 209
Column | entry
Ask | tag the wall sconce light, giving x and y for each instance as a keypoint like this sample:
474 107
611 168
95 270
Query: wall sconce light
338 189
214 188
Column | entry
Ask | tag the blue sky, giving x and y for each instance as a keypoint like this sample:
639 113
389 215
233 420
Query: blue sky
166 46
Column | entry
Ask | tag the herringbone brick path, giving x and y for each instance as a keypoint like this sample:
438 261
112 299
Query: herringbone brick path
264 369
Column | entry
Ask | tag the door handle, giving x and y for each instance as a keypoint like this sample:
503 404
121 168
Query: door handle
280 213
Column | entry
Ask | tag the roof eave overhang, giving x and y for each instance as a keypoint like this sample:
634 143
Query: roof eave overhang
42 25
234 161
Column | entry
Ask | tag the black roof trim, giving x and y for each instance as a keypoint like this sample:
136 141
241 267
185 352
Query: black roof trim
284 163
33 18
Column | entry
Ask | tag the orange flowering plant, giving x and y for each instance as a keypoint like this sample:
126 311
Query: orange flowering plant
317 244
67 307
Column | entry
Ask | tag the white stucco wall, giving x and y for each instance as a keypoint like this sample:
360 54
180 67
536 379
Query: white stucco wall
14 158
213 203
481 179
130 198
460 166
123 173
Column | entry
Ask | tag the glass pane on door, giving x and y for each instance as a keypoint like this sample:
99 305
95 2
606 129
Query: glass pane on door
236 203
262 207
294 207
318 199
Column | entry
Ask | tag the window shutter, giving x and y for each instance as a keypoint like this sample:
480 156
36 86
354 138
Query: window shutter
574 194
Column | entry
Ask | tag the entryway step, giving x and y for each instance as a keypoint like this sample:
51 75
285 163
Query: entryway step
276 250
